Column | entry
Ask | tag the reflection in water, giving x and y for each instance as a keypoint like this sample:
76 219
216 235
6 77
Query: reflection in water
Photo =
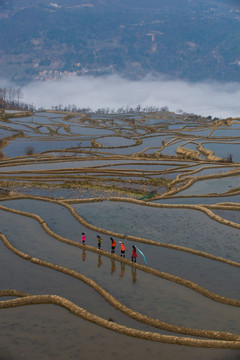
99 261
113 267
122 270
134 275
84 255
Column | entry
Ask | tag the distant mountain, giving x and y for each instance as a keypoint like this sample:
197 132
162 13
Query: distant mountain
186 39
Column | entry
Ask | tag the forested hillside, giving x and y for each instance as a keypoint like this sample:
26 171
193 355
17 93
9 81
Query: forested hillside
192 40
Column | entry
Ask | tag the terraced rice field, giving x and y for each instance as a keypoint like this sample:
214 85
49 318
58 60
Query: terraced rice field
168 184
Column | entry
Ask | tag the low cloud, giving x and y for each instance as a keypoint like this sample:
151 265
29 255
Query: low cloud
204 98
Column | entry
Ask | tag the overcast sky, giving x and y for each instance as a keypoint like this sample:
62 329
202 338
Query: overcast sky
212 98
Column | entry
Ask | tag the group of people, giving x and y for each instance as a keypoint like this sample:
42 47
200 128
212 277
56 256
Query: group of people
113 246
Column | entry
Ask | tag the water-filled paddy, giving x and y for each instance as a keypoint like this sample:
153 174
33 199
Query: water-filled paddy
114 163
183 227
175 126
50 114
115 141
191 146
19 147
51 332
85 130
229 215
199 200
224 150
199 133
225 132
171 148
216 170
210 186
5 133
19 127
34 120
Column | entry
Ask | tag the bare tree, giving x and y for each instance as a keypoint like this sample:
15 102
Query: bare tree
19 96
10 95
4 97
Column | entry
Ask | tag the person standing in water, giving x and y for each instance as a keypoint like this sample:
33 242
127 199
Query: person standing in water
83 238
113 243
122 249
134 253
99 242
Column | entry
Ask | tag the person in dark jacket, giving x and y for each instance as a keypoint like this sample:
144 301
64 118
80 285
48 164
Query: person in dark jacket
99 239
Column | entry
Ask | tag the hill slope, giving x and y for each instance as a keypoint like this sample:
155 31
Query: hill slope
188 39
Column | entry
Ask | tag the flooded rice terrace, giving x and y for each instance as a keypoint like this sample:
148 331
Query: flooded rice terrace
165 183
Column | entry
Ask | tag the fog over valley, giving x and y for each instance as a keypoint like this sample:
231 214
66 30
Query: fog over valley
203 98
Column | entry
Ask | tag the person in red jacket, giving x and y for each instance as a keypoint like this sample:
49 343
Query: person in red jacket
113 243
134 253
122 249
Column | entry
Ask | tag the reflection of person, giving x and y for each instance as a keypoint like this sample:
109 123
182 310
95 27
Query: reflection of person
113 243
134 275
83 255
83 238
122 270
122 248
134 253
113 269
99 239
99 261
